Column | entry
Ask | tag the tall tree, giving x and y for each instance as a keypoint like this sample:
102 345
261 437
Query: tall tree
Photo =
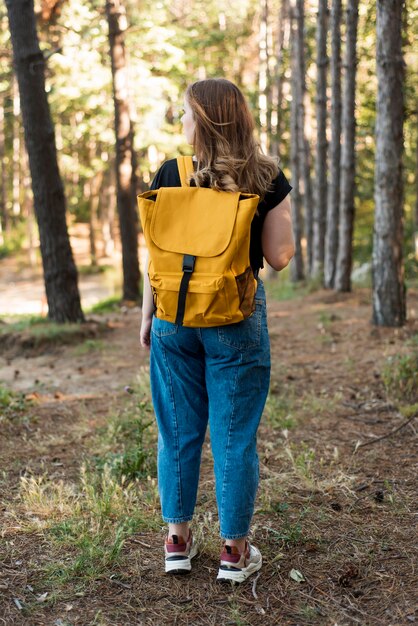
297 271
263 76
320 205
278 79
125 154
60 272
416 185
347 191
3 211
303 141
333 198
389 304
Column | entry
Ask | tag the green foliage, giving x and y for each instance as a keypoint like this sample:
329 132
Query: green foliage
400 377
282 288
22 323
291 530
109 305
132 436
12 404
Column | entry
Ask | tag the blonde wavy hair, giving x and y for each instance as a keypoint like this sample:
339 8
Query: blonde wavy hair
228 156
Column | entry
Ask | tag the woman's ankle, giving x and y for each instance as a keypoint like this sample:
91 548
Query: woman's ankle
181 530
238 543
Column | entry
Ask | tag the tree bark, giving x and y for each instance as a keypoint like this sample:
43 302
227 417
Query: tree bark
60 272
347 191
297 271
16 149
278 80
416 186
303 142
333 199
125 155
389 303
263 82
3 177
320 204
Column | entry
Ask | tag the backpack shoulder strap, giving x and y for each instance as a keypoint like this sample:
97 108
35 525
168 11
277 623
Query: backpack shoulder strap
185 167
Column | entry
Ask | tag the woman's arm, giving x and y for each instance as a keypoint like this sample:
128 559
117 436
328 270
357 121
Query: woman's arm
147 310
277 236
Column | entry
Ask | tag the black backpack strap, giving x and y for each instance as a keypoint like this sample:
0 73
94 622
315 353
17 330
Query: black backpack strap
188 267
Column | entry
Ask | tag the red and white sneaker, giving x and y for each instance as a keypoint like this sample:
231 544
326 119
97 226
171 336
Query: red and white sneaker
237 567
179 554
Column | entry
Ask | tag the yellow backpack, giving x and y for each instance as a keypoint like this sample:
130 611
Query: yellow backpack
198 241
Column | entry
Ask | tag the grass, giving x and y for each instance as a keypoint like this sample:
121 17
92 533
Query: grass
400 376
109 305
12 404
23 323
88 346
86 523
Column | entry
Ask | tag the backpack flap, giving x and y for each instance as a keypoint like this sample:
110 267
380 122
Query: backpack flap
186 220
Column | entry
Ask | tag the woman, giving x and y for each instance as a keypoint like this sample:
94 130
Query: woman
218 375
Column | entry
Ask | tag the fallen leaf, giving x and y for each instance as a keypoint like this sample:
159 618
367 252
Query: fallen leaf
297 575
42 597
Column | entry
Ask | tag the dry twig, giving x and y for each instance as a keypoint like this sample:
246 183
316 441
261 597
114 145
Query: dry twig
392 432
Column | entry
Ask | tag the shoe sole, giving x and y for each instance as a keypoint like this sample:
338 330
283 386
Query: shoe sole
241 576
181 566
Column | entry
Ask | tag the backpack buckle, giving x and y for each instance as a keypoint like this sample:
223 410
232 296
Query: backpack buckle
188 263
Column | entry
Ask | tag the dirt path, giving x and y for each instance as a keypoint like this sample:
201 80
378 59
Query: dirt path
346 522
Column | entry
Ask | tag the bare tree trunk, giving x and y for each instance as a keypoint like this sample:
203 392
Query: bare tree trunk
333 200
107 212
389 303
303 142
320 204
416 186
3 178
347 192
59 269
263 76
95 185
28 207
278 80
125 154
296 266
16 149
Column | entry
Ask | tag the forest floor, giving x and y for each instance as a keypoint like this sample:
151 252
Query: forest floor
81 538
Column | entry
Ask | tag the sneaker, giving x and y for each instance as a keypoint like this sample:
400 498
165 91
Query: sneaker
237 567
179 554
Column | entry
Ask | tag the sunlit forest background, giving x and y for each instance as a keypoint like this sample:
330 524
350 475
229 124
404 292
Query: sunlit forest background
168 45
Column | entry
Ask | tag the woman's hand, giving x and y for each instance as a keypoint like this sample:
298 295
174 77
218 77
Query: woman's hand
147 311
145 332
277 236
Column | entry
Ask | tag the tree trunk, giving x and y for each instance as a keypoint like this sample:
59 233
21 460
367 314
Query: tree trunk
60 272
333 200
263 76
416 186
27 205
16 149
389 305
347 192
3 177
320 205
125 155
277 94
296 265
107 212
303 142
